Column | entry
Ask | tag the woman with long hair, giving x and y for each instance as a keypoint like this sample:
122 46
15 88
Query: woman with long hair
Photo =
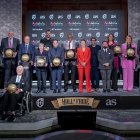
116 63
129 54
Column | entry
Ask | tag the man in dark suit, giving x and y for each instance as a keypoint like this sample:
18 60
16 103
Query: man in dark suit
41 71
56 72
94 73
27 48
47 41
10 63
70 64
105 58
10 100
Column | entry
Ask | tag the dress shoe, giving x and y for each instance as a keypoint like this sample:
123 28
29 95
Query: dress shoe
59 91
54 91
38 91
65 90
44 91
104 90
11 118
4 116
108 90
74 90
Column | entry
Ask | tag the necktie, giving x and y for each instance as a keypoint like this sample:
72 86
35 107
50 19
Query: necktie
10 43
26 48
69 44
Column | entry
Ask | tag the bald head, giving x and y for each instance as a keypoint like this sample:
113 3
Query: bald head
19 70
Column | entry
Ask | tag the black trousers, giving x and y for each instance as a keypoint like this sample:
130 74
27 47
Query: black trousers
10 70
10 101
41 76
94 75
114 77
71 67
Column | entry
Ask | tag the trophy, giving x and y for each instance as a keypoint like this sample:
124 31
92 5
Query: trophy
46 48
130 53
11 88
40 61
70 54
117 49
56 62
8 53
25 57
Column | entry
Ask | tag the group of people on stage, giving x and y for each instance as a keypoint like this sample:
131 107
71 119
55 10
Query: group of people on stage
90 61
51 59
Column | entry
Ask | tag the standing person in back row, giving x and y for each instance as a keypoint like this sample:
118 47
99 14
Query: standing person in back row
70 63
94 73
47 41
10 63
105 57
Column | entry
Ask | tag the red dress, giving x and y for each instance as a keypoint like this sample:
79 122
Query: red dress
84 56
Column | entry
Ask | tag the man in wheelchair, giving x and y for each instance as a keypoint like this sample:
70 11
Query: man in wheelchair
12 94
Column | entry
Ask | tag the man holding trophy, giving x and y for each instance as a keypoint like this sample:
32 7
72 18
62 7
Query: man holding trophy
41 62
9 46
70 62
56 59
25 58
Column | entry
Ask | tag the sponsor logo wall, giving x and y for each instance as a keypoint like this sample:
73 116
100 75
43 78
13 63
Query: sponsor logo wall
83 24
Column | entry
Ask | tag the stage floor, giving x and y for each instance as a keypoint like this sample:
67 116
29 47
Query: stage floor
120 92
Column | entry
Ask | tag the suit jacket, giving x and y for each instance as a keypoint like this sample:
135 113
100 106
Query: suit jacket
5 44
66 47
59 52
124 53
94 55
105 57
30 51
83 57
22 85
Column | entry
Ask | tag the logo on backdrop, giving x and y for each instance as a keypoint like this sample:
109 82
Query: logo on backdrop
51 17
104 16
40 102
33 17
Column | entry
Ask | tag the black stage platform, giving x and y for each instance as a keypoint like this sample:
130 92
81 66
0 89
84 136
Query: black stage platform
86 101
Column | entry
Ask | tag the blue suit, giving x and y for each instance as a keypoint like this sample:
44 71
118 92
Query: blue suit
56 73
27 65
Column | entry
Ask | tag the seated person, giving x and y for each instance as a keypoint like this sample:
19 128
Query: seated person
10 100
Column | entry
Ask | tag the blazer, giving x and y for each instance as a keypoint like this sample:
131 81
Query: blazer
22 85
30 51
83 57
5 44
94 55
59 52
124 53
105 57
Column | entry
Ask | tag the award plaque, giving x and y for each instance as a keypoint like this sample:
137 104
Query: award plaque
56 62
46 48
8 53
70 54
40 61
131 53
11 88
25 57
117 49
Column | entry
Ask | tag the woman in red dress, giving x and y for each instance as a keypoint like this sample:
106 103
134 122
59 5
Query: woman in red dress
83 58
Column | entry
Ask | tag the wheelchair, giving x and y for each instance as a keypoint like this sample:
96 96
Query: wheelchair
25 104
